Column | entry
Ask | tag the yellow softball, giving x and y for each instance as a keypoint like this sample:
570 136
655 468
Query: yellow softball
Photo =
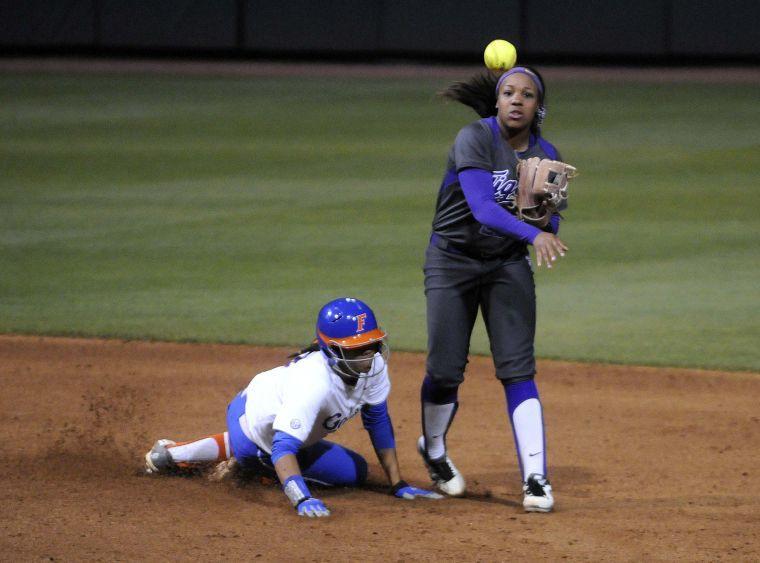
500 55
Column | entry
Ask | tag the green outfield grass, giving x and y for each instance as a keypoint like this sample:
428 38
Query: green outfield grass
229 209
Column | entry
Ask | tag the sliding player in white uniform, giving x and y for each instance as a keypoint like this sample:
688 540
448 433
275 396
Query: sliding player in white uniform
278 423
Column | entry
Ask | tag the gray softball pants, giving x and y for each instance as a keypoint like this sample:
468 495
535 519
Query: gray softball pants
456 286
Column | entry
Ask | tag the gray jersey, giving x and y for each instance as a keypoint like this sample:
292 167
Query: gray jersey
480 145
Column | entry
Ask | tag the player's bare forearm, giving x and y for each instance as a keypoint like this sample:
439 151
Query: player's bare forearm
389 461
287 466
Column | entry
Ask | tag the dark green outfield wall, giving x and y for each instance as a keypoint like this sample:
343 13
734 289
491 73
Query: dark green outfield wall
646 30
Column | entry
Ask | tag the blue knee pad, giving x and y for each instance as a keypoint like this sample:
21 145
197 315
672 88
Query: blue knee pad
328 463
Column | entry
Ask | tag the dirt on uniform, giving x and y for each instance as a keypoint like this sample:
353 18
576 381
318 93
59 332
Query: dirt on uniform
647 464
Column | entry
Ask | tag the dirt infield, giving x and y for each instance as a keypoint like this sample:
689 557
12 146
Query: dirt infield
647 464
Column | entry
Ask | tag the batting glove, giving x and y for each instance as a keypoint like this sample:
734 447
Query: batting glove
402 489
296 490
313 508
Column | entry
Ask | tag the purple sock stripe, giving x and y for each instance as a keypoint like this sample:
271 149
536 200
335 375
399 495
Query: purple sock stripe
432 393
519 392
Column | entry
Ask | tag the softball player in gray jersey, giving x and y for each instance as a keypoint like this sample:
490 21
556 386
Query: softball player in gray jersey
478 259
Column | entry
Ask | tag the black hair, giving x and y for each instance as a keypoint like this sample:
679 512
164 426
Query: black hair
479 93
313 347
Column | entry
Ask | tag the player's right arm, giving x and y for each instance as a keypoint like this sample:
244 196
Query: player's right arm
473 164
477 186
478 191
473 160
301 404
284 450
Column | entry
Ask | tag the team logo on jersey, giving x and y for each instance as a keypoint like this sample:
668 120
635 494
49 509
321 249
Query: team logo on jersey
295 424
360 320
335 421
504 189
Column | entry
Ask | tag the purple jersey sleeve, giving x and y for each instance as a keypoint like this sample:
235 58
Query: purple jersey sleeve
554 223
477 186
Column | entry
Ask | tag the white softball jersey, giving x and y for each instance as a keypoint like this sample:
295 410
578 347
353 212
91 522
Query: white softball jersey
307 400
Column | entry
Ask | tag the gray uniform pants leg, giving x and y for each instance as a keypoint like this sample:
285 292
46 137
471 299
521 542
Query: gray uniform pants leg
455 287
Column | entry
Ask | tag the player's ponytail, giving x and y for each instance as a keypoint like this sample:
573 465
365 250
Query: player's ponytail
479 93
313 347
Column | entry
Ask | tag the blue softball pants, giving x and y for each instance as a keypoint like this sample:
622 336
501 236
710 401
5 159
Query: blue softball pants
324 463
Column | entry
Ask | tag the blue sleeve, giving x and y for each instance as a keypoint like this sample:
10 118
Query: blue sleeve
284 444
377 422
549 149
554 223
477 186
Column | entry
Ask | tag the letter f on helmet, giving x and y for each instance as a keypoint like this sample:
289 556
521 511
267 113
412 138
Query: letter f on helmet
360 321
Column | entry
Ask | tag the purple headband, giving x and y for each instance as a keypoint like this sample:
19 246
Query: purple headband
523 70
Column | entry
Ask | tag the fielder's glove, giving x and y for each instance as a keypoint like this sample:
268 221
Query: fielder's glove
402 489
541 189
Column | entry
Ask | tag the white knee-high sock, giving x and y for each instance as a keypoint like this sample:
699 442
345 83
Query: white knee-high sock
439 405
528 426
527 419
211 448
436 421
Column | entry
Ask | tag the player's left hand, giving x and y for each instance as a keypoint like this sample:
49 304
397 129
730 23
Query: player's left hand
402 489
548 247
313 508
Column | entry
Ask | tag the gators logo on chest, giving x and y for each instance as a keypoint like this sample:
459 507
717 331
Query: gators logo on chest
335 421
